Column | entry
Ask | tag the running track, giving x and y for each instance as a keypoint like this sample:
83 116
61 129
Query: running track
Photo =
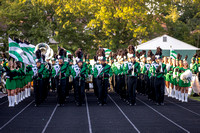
115 117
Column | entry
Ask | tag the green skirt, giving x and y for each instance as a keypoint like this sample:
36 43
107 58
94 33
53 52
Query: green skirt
10 84
168 77
184 84
18 83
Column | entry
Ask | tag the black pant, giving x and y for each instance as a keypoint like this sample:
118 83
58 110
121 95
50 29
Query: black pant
67 87
117 86
151 89
132 84
61 87
79 90
46 87
38 86
53 84
95 87
102 90
122 90
138 88
159 89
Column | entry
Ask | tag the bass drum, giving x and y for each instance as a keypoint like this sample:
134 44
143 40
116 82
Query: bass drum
3 83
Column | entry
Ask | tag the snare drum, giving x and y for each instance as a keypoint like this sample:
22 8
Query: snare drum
89 79
70 78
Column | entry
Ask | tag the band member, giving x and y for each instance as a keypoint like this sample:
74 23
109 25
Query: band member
95 66
79 72
195 80
152 76
89 70
29 73
60 72
45 78
53 81
132 69
10 81
70 59
184 81
146 73
118 71
137 59
168 64
114 77
102 75
172 90
178 76
160 71
39 72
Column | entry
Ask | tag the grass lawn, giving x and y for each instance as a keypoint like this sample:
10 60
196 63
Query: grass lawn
197 98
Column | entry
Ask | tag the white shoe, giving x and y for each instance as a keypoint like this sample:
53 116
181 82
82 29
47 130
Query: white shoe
165 90
186 97
173 92
9 100
176 94
182 95
29 92
170 92
179 96
16 99
21 96
13 101
26 92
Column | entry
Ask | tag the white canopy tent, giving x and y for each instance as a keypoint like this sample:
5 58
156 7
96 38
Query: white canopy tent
166 42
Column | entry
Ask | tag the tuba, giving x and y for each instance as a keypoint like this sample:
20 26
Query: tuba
45 50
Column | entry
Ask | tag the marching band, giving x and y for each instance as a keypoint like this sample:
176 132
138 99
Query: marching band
128 72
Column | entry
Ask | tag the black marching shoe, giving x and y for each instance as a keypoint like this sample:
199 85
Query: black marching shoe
100 104
162 104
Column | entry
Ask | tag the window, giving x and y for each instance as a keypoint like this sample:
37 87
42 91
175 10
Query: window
164 39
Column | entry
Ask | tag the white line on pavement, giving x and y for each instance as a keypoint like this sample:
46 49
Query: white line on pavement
164 116
3 102
124 114
184 108
49 119
16 115
88 115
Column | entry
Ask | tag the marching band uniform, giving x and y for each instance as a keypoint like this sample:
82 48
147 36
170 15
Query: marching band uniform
152 76
102 74
132 69
39 72
79 74
98 67
11 75
29 73
60 72
160 71
53 81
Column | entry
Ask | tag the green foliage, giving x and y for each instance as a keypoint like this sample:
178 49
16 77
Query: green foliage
92 23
